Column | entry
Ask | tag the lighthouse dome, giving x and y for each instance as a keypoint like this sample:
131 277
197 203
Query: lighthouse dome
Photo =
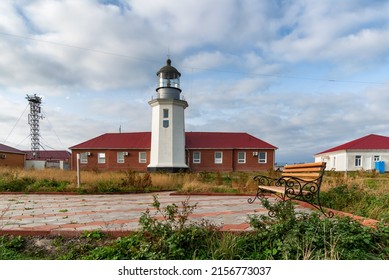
168 71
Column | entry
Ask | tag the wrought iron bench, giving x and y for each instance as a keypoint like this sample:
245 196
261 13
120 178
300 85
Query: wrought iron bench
299 182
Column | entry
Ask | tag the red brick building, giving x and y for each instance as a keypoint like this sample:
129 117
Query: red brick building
204 151
11 157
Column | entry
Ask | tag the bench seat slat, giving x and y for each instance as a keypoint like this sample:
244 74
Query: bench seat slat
273 188
302 175
312 164
279 189
307 169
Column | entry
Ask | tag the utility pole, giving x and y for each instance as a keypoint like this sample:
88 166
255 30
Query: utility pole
33 120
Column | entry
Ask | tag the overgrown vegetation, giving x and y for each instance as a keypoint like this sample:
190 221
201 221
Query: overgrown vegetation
360 193
288 235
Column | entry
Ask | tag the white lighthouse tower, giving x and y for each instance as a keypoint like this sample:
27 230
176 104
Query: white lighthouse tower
168 123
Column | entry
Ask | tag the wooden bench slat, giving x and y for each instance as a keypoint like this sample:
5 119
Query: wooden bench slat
279 189
312 164
273 188
306 169
301 175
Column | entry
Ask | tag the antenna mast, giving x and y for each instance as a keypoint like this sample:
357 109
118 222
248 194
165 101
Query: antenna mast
33 120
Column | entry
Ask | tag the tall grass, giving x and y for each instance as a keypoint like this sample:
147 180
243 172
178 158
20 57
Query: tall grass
360 193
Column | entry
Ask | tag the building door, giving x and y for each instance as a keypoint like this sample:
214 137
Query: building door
368 163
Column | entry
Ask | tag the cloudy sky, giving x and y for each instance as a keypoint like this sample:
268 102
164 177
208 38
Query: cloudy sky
303 75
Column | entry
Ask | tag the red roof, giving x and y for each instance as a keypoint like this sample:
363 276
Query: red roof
194 140
224 140
134 140
7 149
51 155
369 142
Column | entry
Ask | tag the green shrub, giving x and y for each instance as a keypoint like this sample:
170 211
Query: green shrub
357 201
16 184
290 235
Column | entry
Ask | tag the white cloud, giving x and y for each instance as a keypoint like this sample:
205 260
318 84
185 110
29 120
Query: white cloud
246 66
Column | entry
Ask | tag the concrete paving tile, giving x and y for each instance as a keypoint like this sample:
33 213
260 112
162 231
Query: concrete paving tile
117 212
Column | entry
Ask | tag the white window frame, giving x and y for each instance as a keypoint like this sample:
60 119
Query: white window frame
142 157
198 159
377 158
358 161
120 157
101 159
261 159
84 158
218 160
242 160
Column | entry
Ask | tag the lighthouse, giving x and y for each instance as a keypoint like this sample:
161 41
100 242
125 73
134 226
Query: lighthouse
168 123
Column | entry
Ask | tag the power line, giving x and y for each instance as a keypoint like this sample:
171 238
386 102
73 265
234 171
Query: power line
78 47
190 67
15 124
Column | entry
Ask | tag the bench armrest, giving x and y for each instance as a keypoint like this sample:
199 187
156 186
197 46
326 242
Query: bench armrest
265 180
295 186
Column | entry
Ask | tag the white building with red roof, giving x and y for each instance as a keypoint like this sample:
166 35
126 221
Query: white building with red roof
365 153
168 147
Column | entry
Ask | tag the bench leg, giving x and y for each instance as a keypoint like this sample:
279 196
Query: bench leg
315 204
259 194
314 201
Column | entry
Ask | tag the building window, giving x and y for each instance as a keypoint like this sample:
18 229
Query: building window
218 157
165 123
262 157
142 157
84 158
196 157
241 157
165 113
358 160
120 157
101 157
377 158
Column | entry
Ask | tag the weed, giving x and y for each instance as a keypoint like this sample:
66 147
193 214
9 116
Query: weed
290 235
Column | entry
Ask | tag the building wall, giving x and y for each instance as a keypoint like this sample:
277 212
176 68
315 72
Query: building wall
12 160
345 161
229 160
131 161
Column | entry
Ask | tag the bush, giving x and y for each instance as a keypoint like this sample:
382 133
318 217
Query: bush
290 235
358 201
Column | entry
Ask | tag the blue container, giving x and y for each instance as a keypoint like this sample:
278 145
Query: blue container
380 166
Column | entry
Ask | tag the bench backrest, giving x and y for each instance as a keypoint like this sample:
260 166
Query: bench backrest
305 171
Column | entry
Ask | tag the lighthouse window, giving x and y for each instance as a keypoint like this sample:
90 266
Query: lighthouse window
165 113
165 123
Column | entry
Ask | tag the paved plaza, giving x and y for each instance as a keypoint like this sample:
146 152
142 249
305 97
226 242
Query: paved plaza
119 213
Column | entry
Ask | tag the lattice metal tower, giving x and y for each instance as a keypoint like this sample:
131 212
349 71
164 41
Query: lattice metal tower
33 120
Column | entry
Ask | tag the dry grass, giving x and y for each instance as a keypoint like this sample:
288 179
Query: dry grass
372 183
